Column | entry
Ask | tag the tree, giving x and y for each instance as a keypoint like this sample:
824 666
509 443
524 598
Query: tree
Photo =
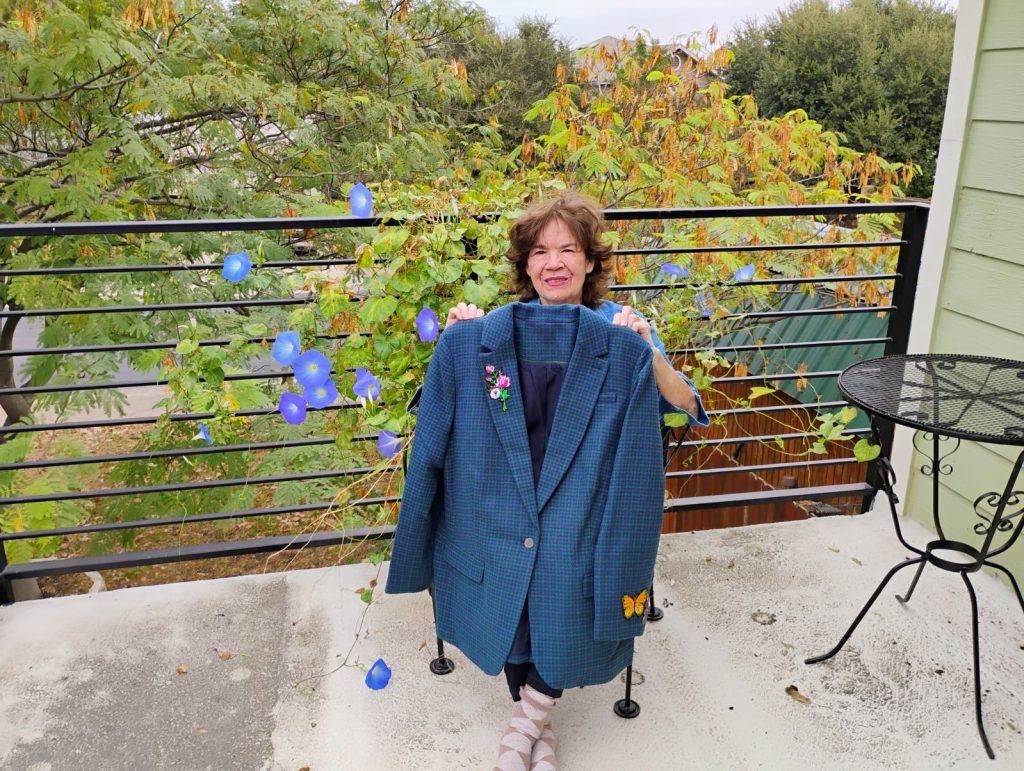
118 111
875 70
507 71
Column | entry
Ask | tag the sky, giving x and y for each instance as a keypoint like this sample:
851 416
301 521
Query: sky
582 22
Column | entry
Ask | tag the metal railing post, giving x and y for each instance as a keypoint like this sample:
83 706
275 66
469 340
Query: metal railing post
904 293
6 587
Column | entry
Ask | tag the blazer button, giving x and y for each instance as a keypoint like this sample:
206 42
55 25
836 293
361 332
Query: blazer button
528 543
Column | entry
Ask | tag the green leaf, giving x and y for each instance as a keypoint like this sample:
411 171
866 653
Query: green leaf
377 309
481 294
865 452
758 391
654 76
676 420
185 347
380 554
366 595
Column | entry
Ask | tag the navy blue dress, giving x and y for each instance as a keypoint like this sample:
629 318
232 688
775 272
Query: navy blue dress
541 385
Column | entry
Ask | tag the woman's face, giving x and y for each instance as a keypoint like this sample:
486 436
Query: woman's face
558 266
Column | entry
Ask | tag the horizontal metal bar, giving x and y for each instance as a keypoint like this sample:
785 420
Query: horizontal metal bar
758 247
167 344
142 524
208 484
761 497
197 266
777 408
766 438
191 226
327 223
179 452
285 374
783 346
57 567
777 376
684 284
150 419
118 384
100 309
802 464
741 212
809 312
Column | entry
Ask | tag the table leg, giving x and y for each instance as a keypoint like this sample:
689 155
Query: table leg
977 666
864 610
1013 580
913 584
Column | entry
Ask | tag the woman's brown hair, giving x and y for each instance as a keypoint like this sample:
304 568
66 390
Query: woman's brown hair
585 220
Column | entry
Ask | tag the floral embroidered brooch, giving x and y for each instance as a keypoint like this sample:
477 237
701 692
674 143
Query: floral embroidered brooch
497 385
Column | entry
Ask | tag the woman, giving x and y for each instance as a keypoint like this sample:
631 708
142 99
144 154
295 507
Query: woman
559 259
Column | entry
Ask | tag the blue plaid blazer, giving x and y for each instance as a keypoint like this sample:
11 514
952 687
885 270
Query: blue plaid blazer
473 522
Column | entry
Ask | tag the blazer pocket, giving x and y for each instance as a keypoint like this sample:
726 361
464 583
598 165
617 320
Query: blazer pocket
588 585
471 567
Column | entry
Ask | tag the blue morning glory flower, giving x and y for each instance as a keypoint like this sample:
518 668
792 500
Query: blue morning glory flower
702 301
292 408
367 386
322 395
426 325
287 347
675 270
236 266
378 676
360 200
312 369
388 444
204 434
745 273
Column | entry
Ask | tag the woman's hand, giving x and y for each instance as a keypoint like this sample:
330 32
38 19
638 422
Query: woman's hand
626 318
462 312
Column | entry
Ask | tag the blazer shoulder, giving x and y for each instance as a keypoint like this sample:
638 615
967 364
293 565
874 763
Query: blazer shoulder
464 333
628 344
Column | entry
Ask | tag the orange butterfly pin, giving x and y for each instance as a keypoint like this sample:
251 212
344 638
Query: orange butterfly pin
634 606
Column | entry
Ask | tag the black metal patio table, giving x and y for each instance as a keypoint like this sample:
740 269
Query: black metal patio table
948 398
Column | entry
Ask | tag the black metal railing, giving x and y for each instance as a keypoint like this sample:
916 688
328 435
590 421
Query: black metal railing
899 311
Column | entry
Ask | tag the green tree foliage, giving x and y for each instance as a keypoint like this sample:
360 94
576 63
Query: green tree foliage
875 70
161 109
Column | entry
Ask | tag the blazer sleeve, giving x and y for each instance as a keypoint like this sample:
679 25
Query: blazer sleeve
412 558
627 543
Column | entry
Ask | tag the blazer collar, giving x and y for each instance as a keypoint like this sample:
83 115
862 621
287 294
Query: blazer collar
585 374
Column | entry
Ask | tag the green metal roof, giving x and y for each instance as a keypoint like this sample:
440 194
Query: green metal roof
809 329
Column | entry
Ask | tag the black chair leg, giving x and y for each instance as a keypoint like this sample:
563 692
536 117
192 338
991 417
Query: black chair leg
654 613
442 665
626 707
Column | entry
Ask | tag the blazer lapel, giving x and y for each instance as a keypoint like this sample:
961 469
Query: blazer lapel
497 349
583 380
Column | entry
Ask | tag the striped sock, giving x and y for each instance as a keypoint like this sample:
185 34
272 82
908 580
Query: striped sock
543 758
523 730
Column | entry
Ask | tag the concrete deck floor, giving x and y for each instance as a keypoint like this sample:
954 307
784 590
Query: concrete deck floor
92 682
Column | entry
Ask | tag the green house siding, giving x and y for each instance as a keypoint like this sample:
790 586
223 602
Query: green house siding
980 306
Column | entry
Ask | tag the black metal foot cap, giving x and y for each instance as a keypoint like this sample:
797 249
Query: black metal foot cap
626 709
442 665
655 614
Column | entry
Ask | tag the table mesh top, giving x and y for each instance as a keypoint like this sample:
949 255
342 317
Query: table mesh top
972 397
